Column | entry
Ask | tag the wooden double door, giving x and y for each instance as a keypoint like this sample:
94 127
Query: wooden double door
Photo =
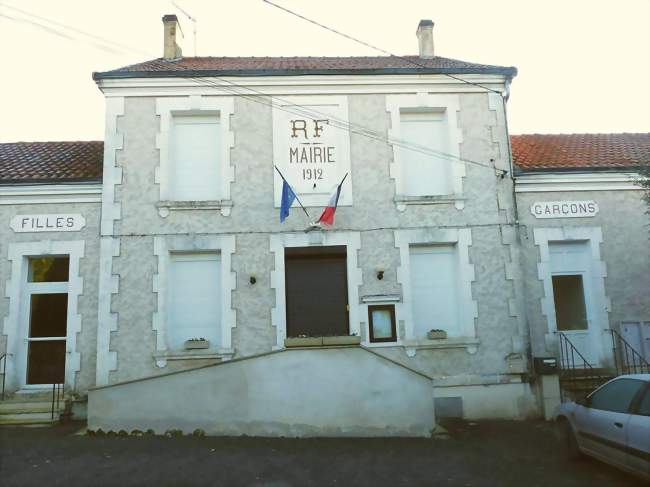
316 291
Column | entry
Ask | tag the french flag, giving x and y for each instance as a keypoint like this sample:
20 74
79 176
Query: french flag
328 213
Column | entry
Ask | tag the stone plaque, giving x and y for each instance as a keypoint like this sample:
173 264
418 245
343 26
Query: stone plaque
48 223
564 209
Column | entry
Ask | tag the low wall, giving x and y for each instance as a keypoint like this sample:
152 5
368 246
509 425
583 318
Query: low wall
294 393
487 401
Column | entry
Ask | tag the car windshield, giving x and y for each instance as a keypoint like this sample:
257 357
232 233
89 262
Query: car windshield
616 396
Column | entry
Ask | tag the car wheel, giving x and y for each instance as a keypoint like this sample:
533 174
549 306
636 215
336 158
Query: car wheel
568 441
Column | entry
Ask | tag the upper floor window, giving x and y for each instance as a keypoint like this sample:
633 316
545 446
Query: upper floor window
425 170
195 152
195 140
427 137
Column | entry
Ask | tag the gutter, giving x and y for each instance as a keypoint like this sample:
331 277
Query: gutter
509 72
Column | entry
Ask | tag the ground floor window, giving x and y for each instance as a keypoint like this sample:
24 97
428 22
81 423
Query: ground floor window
194 298
434 289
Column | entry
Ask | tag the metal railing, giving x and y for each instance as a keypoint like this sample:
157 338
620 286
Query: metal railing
3 361
576 371
627 360
57 397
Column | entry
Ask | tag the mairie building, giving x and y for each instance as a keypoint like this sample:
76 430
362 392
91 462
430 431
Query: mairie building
149 281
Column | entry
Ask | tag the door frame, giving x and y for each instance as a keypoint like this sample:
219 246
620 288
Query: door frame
30 289
278 242
15 325
593 335
600 303
315 256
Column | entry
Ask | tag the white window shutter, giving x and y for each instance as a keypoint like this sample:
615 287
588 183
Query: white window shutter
425 172
434 289
194 298
196 147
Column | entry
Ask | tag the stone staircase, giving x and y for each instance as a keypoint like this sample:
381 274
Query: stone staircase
578 383
27 408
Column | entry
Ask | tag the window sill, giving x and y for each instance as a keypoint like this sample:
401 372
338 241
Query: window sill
164 207
458 200
470 344
161 358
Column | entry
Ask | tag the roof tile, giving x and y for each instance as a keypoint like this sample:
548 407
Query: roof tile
270 66
576 151
22 162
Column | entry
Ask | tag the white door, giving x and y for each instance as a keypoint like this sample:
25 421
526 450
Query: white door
574 299
44 317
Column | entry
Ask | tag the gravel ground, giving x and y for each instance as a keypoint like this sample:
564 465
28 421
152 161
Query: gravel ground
489 453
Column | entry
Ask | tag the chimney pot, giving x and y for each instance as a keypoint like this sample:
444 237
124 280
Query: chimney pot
425 38
171 49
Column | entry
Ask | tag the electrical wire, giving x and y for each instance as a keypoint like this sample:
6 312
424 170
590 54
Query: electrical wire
378 49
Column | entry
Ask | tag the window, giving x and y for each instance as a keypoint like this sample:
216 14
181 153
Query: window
644 406
425 174
48 269
616 396
434 289
195 148
381 319
194 298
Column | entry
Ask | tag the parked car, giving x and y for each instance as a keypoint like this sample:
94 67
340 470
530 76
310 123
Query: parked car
611 424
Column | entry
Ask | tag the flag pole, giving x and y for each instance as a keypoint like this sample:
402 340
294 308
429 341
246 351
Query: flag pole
297 199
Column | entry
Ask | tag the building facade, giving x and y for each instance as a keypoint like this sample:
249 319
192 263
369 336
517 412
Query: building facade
178 259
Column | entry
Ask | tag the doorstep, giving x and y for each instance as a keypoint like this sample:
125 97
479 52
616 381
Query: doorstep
331 341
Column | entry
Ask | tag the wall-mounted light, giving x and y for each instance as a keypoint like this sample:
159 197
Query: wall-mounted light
380 274
253 279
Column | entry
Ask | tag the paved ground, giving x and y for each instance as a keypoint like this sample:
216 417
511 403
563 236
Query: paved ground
499 453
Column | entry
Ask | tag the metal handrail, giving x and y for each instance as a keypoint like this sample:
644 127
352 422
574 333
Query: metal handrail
627 351
3 360
57 395
568 354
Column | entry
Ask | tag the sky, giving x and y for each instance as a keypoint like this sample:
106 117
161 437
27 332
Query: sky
584 66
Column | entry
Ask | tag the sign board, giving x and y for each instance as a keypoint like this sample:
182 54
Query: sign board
48 223
564 209
311 147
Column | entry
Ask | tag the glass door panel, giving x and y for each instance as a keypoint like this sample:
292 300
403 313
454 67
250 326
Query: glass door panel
48 319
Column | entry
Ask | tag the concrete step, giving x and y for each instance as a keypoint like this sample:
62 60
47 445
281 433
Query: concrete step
12 407
29 416
20 421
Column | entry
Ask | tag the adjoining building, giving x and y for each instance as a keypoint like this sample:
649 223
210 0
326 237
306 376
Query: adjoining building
170 292
585 251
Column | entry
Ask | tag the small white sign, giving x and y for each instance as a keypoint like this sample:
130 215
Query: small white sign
48 223
564 209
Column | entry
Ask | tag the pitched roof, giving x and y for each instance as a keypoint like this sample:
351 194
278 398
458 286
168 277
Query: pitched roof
580 151
292 66
40 162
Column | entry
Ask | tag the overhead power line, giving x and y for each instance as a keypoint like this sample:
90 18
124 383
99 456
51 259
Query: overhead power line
378 49
235 89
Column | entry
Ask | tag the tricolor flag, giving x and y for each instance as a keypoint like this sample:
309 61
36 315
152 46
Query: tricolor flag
288 196
328 213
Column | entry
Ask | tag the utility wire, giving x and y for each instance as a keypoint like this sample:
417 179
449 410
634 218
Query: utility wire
123 47
296 109
379 49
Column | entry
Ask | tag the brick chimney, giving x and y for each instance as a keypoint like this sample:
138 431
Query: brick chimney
171 49
425 38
